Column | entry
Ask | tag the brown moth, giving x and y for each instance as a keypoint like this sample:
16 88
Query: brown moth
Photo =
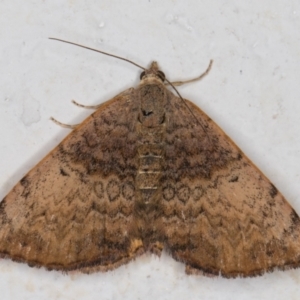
148 171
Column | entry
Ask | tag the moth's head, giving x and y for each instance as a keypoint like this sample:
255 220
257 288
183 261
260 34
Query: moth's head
153 72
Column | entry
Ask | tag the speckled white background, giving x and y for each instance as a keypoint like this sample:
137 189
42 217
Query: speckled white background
252 92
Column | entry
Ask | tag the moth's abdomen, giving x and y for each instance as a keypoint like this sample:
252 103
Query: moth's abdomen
149 172
148 183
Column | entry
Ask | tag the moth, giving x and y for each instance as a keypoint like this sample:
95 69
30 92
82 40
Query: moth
149 171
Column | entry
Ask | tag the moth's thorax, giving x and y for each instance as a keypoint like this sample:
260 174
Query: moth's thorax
152 96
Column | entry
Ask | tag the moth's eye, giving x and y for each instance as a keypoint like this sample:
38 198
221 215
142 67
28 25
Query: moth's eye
161 75
142 75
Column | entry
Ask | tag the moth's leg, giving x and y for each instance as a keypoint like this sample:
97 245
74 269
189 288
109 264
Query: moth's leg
95 107
86 106
64 125
75 125
178 83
